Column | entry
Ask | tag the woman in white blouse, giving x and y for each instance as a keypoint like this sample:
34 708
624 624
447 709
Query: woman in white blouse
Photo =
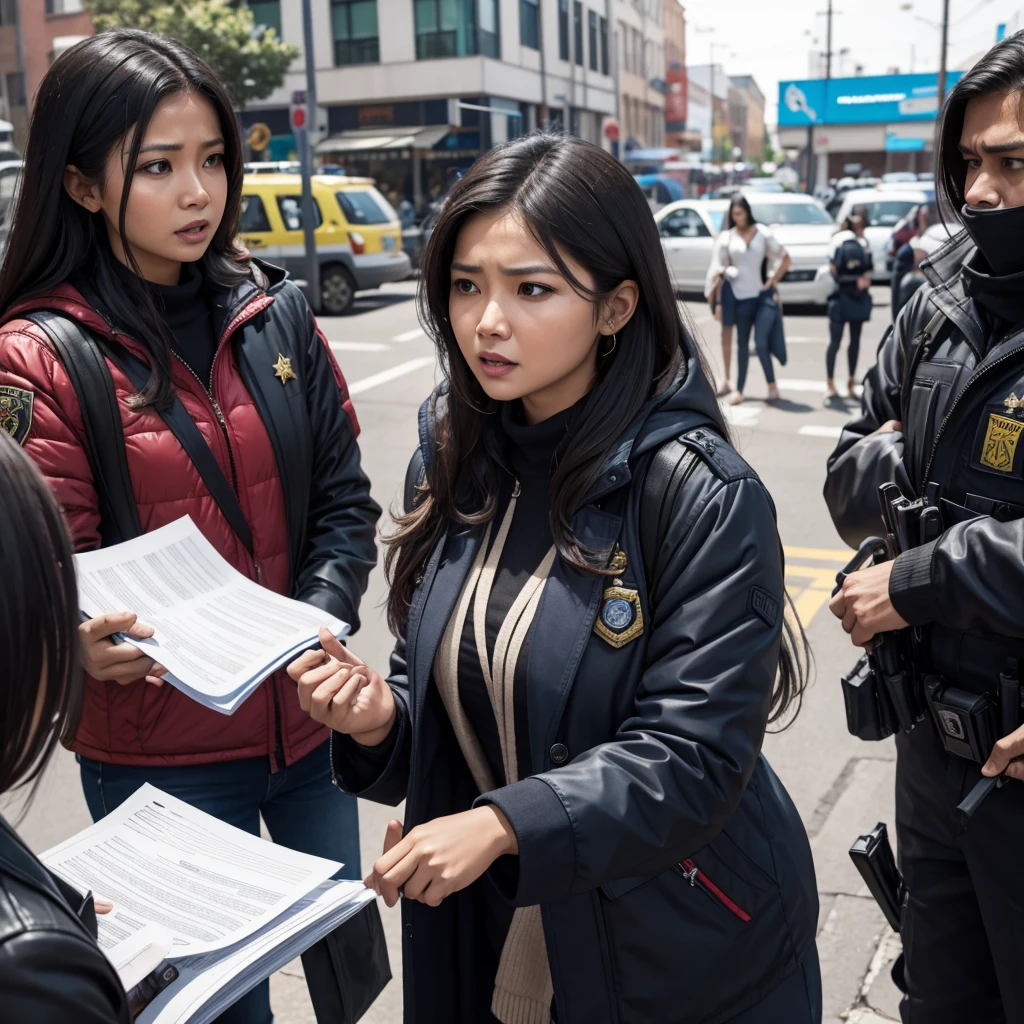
736 270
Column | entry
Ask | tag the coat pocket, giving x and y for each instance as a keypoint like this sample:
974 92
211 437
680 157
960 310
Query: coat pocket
698 879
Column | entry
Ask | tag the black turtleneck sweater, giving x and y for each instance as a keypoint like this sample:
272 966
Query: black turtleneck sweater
186 311
530 451
1000 298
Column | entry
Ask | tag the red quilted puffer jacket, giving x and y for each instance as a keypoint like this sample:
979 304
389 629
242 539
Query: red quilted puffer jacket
313 530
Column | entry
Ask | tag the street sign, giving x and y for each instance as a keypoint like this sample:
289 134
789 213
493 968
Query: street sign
259 137
611 130
297 110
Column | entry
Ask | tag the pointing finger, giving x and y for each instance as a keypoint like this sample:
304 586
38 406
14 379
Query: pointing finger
333 646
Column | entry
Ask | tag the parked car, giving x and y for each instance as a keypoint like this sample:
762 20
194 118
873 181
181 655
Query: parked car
659 189
899 177
272 167
885 208
10 178
358 234
767 185
688 230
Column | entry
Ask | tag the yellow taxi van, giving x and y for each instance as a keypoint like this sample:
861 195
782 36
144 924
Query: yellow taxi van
358 235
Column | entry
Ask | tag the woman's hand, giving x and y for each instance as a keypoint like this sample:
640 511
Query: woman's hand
117 663
889 427
864 606
864 282
339 690
101 905
442 856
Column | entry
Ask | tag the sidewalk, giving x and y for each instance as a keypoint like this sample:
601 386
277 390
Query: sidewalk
855 943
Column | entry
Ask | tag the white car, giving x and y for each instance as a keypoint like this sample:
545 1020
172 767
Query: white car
885 209
688 229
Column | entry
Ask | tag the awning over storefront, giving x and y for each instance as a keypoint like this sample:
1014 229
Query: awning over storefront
383 139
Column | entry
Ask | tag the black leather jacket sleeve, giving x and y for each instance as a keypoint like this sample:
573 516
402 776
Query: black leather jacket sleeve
676 770
53 977
340 548
972 577
379 773
864 460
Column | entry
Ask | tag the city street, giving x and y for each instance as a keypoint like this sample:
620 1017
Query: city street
842 786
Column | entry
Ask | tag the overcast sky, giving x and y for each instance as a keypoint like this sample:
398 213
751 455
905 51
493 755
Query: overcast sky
765 38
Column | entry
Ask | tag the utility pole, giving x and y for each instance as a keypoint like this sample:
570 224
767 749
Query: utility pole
811 169
942 55
712 102
305 148
828 43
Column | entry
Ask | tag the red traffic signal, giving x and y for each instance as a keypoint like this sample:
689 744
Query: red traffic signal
298 118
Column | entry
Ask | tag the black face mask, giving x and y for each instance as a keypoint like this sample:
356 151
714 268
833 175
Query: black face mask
999 235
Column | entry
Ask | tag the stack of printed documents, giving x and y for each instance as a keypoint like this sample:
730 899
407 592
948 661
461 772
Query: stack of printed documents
224 907
218 633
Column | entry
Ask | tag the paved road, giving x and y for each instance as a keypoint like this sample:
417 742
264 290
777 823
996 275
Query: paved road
841 786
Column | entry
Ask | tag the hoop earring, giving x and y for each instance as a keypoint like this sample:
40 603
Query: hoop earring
615 341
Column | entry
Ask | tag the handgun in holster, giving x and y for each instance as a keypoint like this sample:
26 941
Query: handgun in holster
882 694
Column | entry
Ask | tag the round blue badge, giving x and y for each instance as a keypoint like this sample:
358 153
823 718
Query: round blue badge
617 614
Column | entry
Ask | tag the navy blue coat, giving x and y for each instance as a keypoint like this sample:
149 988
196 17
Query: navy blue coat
673 872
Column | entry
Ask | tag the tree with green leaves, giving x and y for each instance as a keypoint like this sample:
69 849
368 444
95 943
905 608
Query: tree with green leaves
250 62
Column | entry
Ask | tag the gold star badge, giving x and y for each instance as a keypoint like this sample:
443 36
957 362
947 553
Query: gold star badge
283 369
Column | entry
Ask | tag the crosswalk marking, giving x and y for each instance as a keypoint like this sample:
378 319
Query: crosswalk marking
819 430
409 335
359 346
386 376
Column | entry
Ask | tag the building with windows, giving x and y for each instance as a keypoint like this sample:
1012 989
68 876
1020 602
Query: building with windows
861 125
32 34
746 117
412 91
640 50
674 29
707 109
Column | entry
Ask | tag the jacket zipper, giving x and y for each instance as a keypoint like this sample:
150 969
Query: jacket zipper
956 401
695 877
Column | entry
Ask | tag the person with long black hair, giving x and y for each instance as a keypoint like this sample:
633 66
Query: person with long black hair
226 401
587 591
942 415
51 969
746 294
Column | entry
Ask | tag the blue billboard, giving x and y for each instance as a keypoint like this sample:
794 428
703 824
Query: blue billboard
882 98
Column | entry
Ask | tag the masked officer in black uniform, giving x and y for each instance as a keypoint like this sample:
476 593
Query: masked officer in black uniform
943 418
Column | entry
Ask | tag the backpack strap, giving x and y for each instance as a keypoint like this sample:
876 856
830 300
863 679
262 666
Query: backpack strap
191 439
87 370
670 467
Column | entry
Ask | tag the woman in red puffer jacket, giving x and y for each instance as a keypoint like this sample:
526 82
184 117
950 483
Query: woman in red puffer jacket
125 227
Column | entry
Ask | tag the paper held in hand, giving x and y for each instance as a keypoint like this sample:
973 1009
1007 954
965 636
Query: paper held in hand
218 634
224 907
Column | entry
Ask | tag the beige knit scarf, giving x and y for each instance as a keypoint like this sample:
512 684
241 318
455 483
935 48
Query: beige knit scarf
522 986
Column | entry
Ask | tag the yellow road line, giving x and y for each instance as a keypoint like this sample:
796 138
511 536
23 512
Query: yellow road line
820 554
813 594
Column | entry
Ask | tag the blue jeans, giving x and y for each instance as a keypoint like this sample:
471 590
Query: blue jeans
302 808
748 315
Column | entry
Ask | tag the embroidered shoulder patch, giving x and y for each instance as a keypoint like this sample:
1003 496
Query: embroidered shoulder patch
16 412
764 606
